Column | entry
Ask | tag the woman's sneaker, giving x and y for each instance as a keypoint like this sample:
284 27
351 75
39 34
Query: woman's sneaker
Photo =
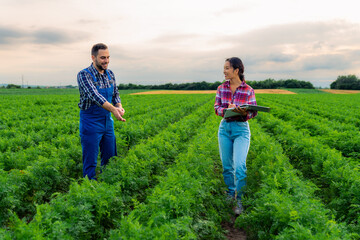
230 199
239 208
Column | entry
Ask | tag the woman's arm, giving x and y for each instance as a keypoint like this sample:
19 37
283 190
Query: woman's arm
219 110
252 101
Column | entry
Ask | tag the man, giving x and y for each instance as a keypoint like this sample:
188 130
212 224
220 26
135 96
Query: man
98 90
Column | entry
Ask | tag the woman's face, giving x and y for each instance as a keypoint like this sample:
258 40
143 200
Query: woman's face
229 71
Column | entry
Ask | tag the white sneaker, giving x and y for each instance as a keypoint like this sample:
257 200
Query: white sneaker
239 208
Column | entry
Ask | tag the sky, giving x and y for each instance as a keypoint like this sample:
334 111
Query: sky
47 42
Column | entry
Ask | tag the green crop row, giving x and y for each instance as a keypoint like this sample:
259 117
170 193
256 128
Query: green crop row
339 108
40 134
188 202
279 203
49 167
146 125
336 176
136 105
90 209
136 171
341 136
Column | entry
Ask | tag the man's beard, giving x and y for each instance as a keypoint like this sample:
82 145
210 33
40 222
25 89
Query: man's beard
99 66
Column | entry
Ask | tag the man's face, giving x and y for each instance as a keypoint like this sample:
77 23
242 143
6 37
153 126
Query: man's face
101 61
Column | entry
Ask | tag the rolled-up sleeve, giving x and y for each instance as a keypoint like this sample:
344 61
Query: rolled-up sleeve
219 110
88 89
252 101
116 96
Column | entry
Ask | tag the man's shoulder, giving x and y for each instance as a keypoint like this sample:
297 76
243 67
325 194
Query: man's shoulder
111 72
85 70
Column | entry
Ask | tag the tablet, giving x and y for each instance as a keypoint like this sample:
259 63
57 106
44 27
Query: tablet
230 113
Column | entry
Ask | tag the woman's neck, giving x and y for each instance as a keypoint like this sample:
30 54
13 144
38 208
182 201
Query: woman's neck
235 81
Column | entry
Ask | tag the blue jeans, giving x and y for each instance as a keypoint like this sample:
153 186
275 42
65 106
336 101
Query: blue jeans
234 143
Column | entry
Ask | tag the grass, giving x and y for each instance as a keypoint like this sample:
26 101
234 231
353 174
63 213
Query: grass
53 91
64 91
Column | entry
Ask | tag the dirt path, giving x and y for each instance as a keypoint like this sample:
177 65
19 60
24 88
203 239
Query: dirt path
273 91
338 91
233 233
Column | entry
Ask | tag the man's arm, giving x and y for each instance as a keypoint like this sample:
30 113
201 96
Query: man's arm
117 110
88 88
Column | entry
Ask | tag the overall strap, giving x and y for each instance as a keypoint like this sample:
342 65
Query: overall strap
107 72
87 70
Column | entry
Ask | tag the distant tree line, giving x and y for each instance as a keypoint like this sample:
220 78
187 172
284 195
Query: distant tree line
273 84
265 84
349 82
11 86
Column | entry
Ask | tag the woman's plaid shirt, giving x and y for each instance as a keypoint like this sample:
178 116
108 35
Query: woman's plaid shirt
244 94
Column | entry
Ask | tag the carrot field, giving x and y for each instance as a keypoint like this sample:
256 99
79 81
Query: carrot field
166 182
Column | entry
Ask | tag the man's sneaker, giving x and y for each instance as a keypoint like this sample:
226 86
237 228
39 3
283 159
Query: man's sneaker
239 208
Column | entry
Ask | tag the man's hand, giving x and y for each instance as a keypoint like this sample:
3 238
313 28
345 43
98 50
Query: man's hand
118 113
121 110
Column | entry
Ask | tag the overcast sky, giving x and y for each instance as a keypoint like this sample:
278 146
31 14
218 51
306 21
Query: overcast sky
47 42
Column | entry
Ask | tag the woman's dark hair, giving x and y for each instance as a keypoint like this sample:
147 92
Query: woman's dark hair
236 63
95 49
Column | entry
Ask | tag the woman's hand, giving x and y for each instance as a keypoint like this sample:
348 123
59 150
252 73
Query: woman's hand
240 110
231 105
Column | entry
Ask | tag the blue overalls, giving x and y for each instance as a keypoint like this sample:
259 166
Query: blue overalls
97 129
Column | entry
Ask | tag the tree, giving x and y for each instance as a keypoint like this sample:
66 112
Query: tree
13 86
349 82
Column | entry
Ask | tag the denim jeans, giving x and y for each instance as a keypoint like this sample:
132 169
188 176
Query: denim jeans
234 143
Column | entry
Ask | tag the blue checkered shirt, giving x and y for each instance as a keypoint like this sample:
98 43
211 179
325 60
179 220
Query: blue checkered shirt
87 88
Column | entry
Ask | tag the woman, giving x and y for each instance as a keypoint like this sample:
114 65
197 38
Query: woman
234 132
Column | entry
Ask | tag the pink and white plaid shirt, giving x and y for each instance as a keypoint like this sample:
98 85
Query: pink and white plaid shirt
244 94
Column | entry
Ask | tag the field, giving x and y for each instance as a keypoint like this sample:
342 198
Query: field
166 183
270 91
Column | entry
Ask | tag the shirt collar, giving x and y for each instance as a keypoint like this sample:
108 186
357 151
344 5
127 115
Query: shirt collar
227 84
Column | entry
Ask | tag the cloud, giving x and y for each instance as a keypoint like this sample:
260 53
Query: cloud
296 50
175 38
7 35
335 31
298 47
15 36
328 61
280 57
46 36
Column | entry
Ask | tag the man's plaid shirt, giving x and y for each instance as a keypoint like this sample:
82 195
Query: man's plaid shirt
87 88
